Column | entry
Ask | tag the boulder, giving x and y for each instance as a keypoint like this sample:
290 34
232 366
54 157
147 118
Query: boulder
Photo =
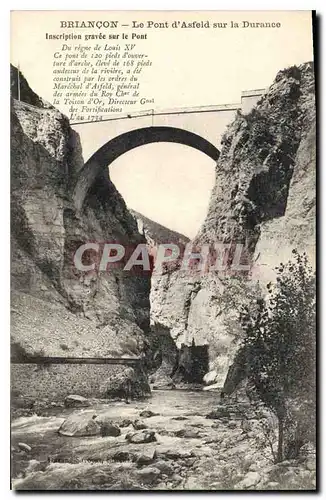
145 457
139 425
164 386
80 425
148 413
123 456
75 401
249 481
273 485
164 467
141 437
148 475
187 433
210 377
108 428
125 422
178 454
24 447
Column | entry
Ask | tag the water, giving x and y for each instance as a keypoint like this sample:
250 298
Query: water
41 431
183 401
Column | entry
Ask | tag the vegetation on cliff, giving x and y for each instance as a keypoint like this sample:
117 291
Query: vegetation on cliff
264 198
279 347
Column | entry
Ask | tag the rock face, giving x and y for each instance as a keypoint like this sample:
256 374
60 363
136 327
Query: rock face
128 382
165 354
263 198
176 363
156 233
56 309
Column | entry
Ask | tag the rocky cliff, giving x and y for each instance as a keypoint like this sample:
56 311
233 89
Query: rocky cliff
156 233
165 354
57 310
263 198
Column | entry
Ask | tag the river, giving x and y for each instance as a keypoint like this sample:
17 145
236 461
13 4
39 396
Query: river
188 451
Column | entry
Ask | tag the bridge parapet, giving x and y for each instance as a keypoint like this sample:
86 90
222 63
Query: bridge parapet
249 98
208 122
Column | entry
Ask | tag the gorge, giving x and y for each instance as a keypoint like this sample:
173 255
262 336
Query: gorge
183 326
266 162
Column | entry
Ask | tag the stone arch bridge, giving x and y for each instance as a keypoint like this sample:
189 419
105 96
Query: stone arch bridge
200 128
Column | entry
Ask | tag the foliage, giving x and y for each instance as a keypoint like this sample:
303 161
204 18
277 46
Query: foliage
279 340
238 291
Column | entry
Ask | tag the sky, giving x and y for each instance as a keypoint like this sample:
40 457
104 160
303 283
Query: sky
171 183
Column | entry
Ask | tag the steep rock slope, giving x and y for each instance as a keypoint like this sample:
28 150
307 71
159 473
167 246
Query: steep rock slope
165 355
156 233
264 198
56 309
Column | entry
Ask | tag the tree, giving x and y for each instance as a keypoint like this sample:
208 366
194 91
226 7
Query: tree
279 345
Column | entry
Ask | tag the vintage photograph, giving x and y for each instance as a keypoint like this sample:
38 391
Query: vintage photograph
163 241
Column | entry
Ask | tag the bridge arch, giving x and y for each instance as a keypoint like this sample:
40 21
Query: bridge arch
130 140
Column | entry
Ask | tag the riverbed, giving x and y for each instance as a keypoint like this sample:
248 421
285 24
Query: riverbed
199 443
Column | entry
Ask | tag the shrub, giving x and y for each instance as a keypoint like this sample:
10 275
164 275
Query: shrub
279 345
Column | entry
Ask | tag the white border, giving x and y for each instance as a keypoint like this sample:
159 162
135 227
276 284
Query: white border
167 5
4 197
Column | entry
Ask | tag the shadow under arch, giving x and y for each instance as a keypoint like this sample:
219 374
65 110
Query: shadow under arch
130 140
